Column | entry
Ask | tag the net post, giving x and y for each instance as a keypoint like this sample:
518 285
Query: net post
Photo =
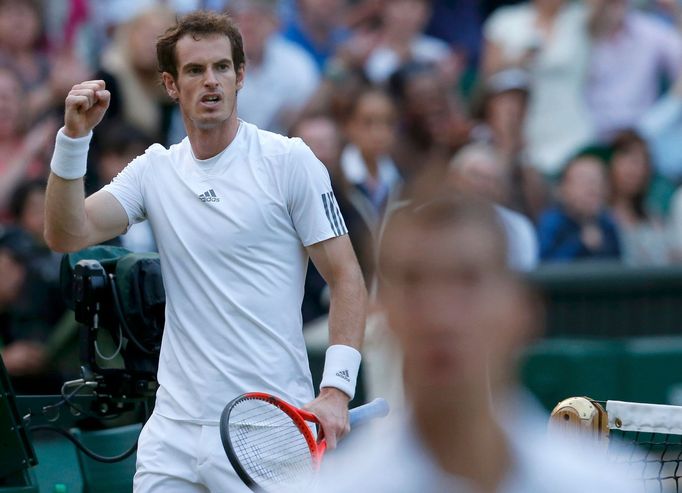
580 416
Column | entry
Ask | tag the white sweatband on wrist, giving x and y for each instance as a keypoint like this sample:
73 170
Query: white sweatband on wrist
341 366
70 157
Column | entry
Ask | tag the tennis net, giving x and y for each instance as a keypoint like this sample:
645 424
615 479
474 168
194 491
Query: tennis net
645 440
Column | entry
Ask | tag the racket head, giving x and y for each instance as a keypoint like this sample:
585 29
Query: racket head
269 442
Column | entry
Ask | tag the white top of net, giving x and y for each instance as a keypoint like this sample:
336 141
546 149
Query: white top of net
651 418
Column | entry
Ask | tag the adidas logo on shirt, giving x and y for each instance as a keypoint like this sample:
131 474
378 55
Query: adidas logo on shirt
343 374
209 196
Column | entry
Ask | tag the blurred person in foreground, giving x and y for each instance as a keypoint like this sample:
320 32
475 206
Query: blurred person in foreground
580 226
460 317
282 76
237 212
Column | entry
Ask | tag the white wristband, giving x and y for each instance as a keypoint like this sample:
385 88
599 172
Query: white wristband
341 366
70 157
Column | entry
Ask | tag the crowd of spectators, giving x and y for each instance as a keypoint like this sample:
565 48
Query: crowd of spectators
565 113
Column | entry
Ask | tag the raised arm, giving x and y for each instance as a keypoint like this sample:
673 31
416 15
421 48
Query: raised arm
335 260
71 221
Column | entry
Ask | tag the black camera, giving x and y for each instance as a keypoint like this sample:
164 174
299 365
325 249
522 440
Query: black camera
119 299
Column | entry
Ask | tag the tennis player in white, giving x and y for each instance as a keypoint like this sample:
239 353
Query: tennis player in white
236 212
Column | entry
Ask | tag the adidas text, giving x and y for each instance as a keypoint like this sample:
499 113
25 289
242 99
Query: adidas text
343 374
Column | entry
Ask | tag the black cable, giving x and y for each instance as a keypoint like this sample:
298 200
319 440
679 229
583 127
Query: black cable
122 320
94 456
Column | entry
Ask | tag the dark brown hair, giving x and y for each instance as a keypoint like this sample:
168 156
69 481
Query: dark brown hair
624 142
198 24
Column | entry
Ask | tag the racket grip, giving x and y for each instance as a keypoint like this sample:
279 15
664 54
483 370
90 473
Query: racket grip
378 408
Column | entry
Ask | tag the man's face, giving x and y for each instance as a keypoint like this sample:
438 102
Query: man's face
458 316
584 188
207 84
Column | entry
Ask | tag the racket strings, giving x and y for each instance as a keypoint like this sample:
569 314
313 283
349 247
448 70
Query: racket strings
268 444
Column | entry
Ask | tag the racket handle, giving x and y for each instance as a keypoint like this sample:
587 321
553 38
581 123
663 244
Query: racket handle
378 408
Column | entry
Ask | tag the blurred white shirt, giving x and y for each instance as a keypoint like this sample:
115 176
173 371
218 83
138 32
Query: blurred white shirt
389 457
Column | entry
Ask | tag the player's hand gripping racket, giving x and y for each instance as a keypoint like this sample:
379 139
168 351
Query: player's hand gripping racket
271 444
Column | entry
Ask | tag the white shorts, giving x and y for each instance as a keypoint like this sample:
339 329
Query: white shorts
181 457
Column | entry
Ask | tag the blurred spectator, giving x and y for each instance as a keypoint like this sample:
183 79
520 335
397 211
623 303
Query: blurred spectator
21 30
130 70
502 110
324 138
118 144
22 154
318 28
22 331
550 39
643 236
401 39
662 127
42 287
676 225
632 52
433 123
280 75
478 170
458 23
579 226
22 49
365 161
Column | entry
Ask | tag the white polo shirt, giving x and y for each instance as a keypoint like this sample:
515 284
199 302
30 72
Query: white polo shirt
230 232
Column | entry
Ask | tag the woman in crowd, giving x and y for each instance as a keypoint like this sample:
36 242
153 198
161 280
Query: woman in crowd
643 236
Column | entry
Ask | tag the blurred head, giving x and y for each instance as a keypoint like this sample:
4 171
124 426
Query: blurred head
118 144
140 36
477 169
11 96
583 187
457 311
323 137
27 207
257 21
504 107
428 104
372 121
630 169
20 25
322 14
407 17
202 63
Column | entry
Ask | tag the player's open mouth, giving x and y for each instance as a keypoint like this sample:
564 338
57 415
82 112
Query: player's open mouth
211 99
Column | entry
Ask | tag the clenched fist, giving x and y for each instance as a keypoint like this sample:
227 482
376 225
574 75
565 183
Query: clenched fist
86 104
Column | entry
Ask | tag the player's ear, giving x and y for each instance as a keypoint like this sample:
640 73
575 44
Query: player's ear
170 85
240 76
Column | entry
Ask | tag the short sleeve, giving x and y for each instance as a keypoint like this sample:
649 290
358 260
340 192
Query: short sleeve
127 188
311 203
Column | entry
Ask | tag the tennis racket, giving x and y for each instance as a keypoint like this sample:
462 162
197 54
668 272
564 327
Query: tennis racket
272 445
